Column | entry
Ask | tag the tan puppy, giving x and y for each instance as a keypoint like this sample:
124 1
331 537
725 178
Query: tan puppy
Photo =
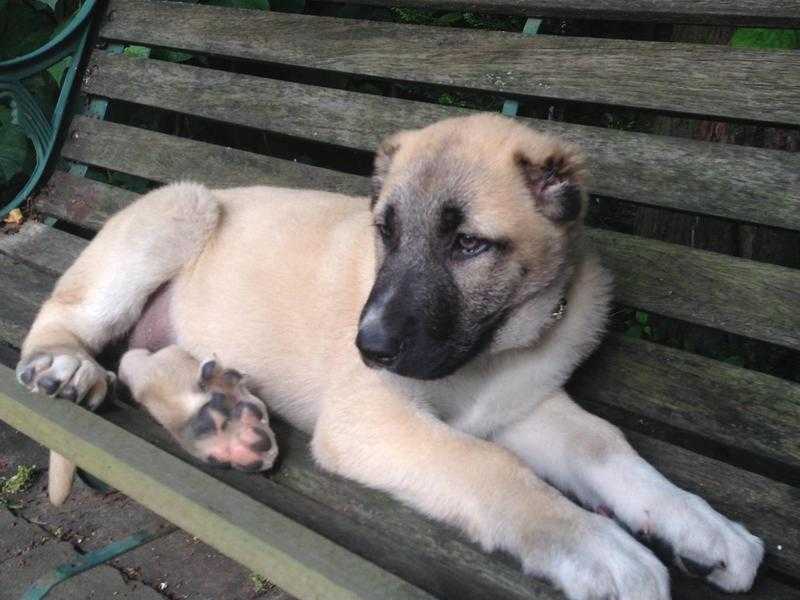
422 337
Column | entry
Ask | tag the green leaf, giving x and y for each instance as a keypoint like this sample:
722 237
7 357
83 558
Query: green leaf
25 29
16 155
252 4
137 51
642 317
634 331
58 69
450 18
775 39
291 6
44 89
5 115
734 360
175 56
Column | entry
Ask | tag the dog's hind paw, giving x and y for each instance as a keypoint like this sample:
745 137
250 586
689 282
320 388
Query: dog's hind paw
66 373
232 428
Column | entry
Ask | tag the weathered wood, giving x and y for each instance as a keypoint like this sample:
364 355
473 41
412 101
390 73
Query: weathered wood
41 246
164 158
743 496
741 409
737 407
664 278
22 291
80 200
771 13
300 561
746 184
684 78
741 296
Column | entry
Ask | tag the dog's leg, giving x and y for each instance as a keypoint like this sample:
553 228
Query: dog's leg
208 409
369 434
586 456
102 295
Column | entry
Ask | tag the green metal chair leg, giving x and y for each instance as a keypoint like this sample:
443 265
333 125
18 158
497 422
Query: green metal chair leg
41 130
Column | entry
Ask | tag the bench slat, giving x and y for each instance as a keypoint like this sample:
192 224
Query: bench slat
703 80
742 495
742 409
669 279
80 200
295 558
734 182
741 296
767 13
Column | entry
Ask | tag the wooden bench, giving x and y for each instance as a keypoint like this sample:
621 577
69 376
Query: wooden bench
274 80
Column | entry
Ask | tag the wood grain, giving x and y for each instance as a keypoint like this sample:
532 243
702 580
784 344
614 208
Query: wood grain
755 85
373 524
79 200
769 13
668 279
737 407
734 182
164 158
741 296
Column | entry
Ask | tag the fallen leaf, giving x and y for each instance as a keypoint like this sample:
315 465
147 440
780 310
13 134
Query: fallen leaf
14 217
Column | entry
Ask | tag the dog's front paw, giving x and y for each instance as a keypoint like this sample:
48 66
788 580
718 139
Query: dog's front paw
702 542
65 373
597 560
232 428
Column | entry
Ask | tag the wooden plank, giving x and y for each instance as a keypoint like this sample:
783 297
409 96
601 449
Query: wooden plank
22 292
765 13
295 558
664 278
741 296
723 82
729 181
164 158
44 247
735 407
743 496
79 200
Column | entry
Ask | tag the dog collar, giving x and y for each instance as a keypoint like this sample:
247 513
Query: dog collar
560 310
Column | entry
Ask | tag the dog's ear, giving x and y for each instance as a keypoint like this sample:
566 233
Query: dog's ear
383 161
556 182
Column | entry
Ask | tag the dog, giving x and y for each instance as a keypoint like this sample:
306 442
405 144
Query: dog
422 336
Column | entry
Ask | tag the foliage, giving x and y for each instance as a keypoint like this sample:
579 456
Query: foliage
456 19
19 482
774 39
260 584
25 25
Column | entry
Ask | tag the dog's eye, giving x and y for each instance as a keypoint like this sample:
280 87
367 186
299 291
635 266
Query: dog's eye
384 230
467 246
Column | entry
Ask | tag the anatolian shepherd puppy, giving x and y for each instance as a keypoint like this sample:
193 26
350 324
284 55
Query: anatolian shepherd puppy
422 336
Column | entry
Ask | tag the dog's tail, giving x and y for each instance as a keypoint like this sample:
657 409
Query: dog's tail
60 475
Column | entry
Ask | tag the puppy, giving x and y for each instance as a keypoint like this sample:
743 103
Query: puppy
422 336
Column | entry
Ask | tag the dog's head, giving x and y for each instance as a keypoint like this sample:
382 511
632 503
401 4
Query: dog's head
474 222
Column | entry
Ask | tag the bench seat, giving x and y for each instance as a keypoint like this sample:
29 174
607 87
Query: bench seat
727 433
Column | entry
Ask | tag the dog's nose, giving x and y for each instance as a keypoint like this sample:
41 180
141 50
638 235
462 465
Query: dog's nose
377 345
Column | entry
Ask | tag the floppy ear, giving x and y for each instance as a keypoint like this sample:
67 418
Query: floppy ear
555 182
383 161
